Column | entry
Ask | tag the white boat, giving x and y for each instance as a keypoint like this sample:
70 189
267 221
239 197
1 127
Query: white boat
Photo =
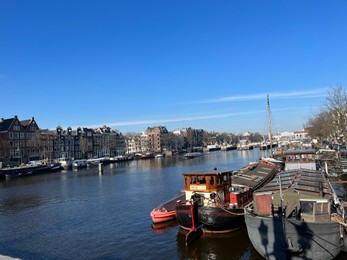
79 163
65 163
192 155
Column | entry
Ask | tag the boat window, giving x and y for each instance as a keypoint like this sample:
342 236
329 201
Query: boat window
202 180
322 208
306 206
192 180
225 179
303 158
211 180
219 179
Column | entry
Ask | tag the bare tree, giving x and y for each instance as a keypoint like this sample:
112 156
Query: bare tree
320 125
336 105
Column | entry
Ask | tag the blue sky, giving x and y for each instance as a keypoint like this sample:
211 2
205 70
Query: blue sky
177 63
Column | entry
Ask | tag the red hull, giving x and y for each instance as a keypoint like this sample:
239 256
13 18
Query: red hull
167 210
162 216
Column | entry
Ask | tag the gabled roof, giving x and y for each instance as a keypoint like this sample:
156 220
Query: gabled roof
25 122
5 124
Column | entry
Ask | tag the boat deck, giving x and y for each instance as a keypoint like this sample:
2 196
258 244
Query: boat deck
170 205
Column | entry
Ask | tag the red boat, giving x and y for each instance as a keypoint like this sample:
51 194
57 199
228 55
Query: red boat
167 210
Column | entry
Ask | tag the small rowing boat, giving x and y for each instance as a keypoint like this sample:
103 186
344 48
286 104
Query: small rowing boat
167 210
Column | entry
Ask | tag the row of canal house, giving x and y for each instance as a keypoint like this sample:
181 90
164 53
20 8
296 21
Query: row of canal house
22 141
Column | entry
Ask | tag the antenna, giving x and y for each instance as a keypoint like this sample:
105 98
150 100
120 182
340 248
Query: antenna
269 123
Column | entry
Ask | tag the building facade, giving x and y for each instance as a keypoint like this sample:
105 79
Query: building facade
19 141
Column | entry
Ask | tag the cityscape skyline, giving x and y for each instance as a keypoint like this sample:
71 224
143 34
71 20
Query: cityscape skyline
201 64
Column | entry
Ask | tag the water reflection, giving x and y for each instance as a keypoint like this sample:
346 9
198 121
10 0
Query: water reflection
17 204
234 245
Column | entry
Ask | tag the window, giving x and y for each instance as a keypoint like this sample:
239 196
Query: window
211 180
11 135
28 135
202 180
306 207
21 135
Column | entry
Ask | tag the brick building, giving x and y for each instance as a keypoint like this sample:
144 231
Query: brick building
19 141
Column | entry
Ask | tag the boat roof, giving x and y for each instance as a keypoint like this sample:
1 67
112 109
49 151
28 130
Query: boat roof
253 175
302 181
300 151
208 173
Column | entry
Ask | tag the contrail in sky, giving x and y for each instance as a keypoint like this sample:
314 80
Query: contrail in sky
185 118
313 93
178 119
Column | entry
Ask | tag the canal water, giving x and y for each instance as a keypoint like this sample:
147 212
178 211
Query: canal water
86 215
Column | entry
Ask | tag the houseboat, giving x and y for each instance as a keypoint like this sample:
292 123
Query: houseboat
28 170
296 216
121 158
215 199
301 159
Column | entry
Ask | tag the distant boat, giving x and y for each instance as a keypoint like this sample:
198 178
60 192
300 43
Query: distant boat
103 160
79 163
66 163
244 145
121 158
159 155
29 170
296 216
147 156
192 155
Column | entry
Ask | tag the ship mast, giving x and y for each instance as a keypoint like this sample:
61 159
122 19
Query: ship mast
269 123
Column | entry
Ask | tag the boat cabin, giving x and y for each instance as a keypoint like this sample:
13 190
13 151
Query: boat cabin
300 194
210 185
301 159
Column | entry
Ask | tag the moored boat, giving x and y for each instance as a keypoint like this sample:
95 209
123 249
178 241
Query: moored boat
29 170
146 156
296 216
77 164
218 197
301 158
121 158
66 163
192 155
167 210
